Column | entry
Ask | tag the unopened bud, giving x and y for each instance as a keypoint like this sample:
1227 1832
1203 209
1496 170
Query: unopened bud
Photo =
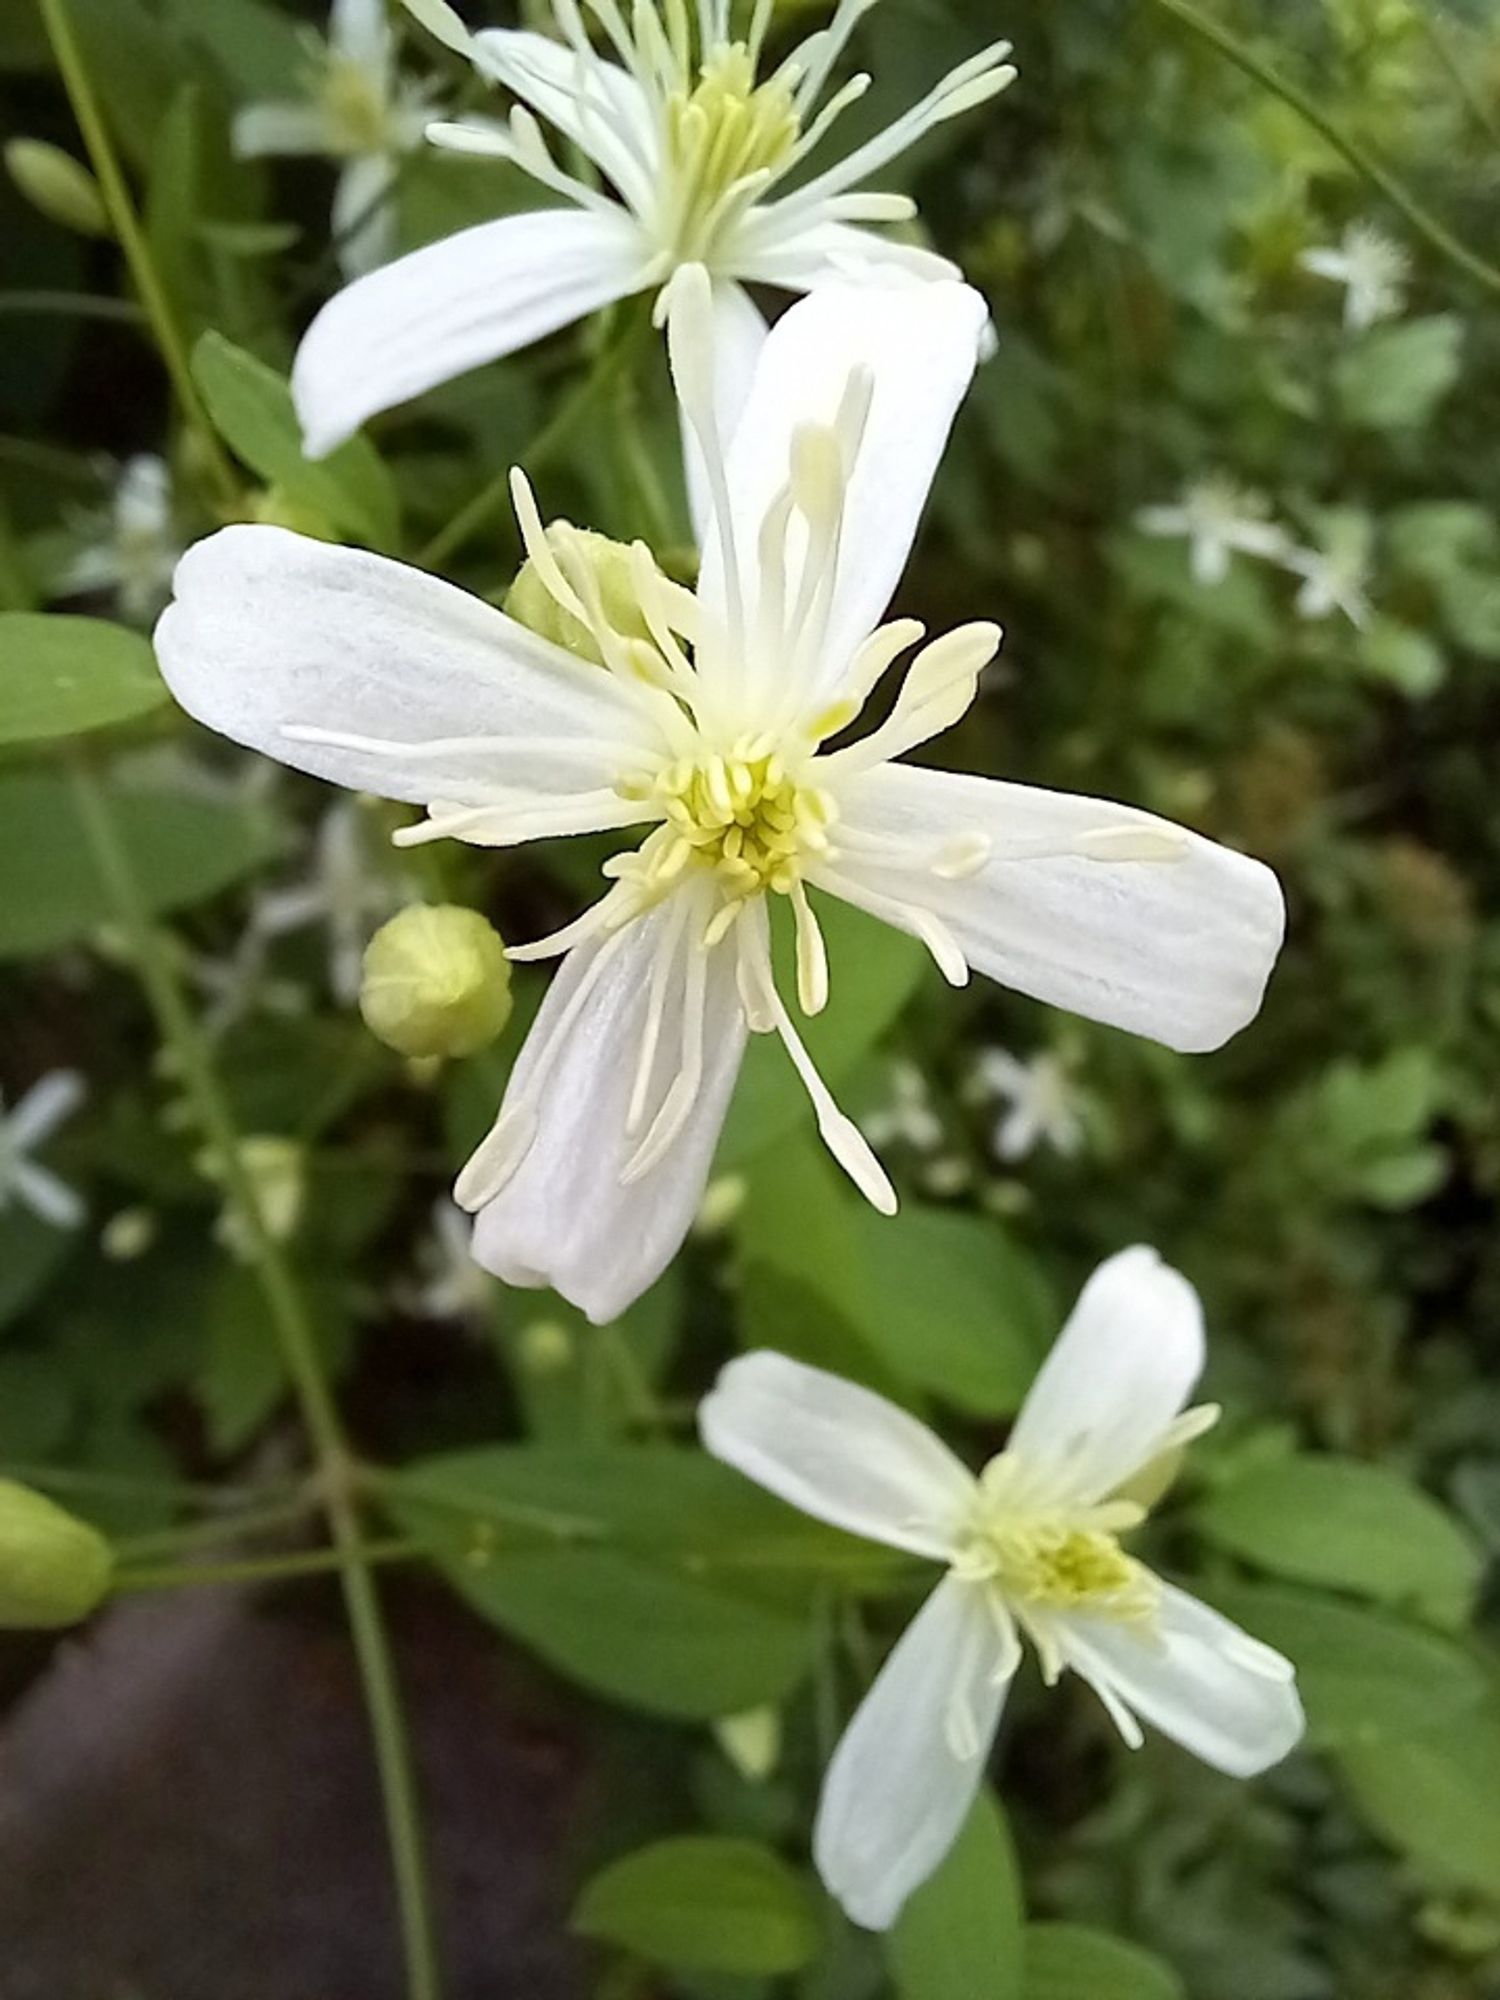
436 982
54 1568
61 187
607 568
751 1741
274 507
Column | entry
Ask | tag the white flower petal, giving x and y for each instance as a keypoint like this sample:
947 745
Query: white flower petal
835 253
1120 1371
566 1217
452 305
279 130
272 631
48 1198
920 347
360 32
739 334
837 1451
51 1100
1200 1680
1109 912
599 105
908 1766
364 214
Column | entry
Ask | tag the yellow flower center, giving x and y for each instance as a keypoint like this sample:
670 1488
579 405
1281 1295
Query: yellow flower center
719 133
1049 1557
744 815
354 106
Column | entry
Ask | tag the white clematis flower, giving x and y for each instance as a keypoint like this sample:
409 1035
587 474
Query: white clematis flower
359 111
706 723
1218 520
1372 269
694 150
344 891
1032 1550
1041 1103
48 1104
135 554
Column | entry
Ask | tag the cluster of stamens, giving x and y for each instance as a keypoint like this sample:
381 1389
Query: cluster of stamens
356 109
1054 1557
723 136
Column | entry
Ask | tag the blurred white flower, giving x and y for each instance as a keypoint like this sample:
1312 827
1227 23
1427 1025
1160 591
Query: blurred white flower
695 150
49 1102
134 553
1041 1103
451 1286
276 1168
702 724
349 891
359 111
238 984
907 1117
1372 269
1336 575
1032 1549
1217 519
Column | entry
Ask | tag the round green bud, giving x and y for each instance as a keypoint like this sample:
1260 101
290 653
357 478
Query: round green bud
54 1568
532 604
436 982
61 187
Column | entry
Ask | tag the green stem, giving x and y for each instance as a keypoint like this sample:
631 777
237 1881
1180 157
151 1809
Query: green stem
299 1346
132 240
255 1569
492 498
1421 219
73 305
125 1486
220 1528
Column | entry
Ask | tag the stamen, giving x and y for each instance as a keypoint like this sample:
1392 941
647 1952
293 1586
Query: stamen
812 955
690 350
1134 843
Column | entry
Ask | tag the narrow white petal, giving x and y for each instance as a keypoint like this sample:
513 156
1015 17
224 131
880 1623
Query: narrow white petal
453 305
279 130
272 633
567 1215
364 214
906 1771
52 1099
1199 1679
48 1198
596 103
918 346
739 334
832 253
839 1452
1121 1370
1109 912
360 31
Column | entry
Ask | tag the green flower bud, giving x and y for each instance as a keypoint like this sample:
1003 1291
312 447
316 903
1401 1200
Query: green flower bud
57 184
274 507
436 982
530 602
54 1569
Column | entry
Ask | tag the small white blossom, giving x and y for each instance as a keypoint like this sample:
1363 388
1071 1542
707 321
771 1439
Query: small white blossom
1372 269
359 111
451 1285
1217 519
1041 1103
1032 1548
347 891
703 725
907 1117
696 151
48 1103
134 553
1336 575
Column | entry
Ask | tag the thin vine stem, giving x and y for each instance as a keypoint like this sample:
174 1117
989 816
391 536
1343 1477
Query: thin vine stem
300 1351
138 1577
1421 219
225 1527
132 240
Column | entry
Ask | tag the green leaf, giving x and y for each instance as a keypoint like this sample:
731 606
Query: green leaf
1072 1962
1407 659
1395 376
62 676
960 1936
1365 1677
945 1302
252 407
183 850
1352 1526
30 1252
873 972
1435 1798
706 1903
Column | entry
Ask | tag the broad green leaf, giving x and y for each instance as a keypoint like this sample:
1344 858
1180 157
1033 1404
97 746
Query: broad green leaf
1437 1798
873 972
946 1302
258 47
62 676
1072 1962
1365 1676
183 850
1395 376
252 406
960 1935
1352 1526
706 1903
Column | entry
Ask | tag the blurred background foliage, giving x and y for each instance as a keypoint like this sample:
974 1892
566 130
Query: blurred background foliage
1138 212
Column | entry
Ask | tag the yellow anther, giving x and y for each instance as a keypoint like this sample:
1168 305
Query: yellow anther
721 133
